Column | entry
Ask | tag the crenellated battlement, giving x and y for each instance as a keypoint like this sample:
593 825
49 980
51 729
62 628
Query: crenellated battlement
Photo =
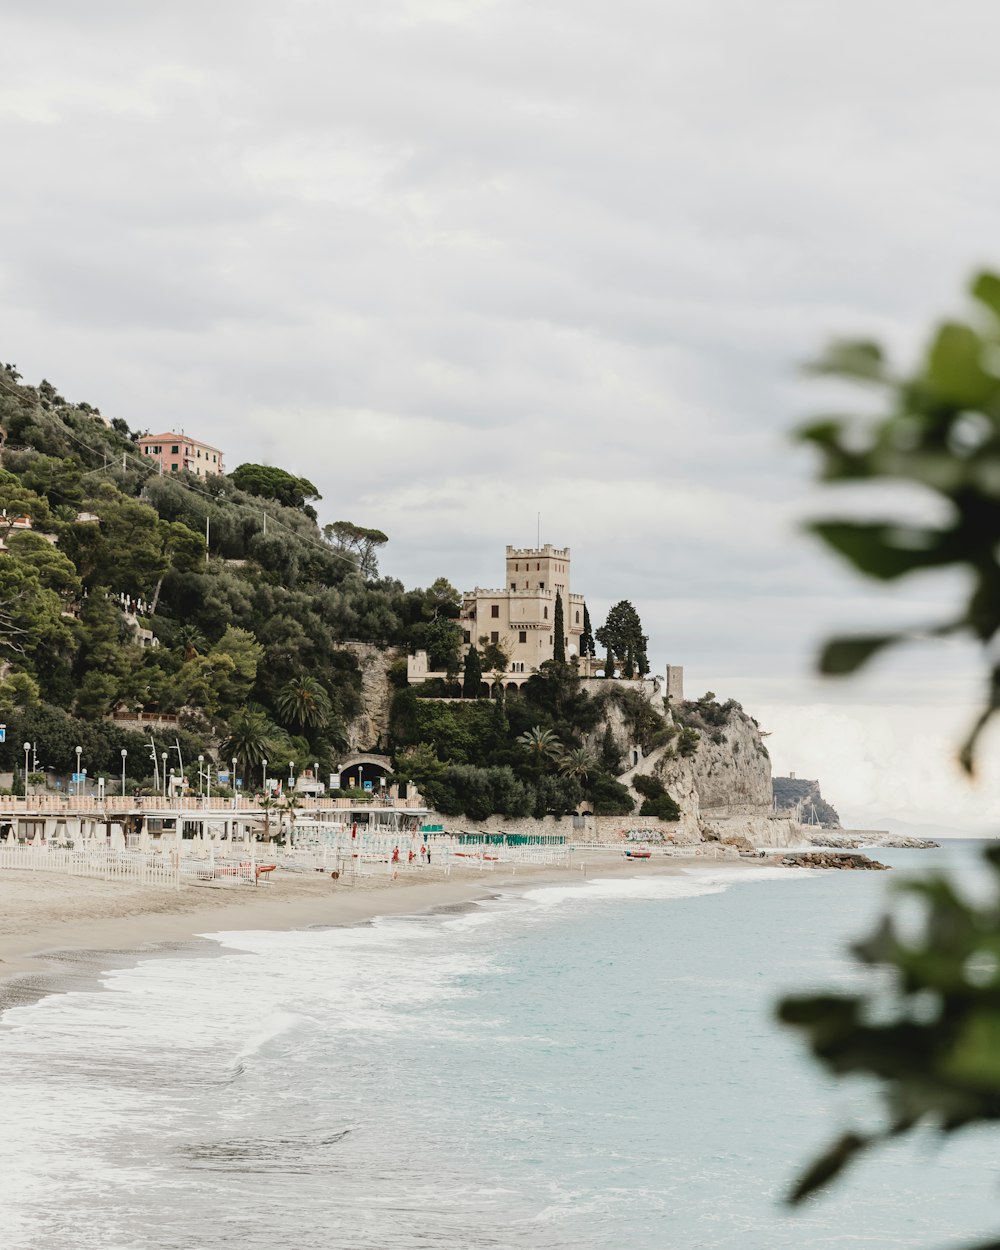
538 553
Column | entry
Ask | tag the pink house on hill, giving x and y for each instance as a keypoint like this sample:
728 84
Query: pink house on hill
180 453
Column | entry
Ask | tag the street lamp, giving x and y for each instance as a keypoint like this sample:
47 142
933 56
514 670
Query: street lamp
79 752
124 758
27 752
201 777
163 757
232 778
291 774
263 764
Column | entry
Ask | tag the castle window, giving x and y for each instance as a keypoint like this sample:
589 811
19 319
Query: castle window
513 585
522 635
541 585
538 568
545 613
494 609
466 636
494 637
578 618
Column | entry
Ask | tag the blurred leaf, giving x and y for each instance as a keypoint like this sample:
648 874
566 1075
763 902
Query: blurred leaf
875 549
858 359
841 656
954 367
986 289
828 1165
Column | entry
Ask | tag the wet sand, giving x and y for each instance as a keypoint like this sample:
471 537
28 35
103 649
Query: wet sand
57 932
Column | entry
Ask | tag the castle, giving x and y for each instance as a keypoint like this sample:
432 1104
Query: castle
520 617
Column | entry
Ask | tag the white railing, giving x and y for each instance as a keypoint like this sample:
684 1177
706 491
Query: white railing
133 866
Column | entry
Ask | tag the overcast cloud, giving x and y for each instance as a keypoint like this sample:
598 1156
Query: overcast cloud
464 261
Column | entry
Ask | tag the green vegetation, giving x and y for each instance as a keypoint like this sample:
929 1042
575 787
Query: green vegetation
249 628
622 637
656 801
472 679
558 632
272 483
927 1028
525 752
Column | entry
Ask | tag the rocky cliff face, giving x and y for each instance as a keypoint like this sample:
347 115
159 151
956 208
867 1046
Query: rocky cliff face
369 730
724 788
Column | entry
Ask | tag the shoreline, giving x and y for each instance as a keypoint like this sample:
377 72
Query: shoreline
61 933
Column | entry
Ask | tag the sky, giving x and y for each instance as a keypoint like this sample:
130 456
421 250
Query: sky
465 263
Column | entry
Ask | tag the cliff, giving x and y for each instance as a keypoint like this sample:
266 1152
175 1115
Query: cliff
724 786
801 797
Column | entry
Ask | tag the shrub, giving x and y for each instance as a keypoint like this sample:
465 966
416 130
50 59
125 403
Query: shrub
663 808
687 742
609 797
649 787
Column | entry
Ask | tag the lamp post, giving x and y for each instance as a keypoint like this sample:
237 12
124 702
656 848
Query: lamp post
201 777
79 752
232 778
124 758
27 752
263 783
163 759
170 792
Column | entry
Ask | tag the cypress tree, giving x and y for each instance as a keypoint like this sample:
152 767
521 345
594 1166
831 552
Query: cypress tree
587 637
559 636
473 679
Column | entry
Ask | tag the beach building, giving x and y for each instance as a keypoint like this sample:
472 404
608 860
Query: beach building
519 616
180 453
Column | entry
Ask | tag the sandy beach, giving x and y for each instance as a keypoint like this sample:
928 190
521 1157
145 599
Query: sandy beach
53 925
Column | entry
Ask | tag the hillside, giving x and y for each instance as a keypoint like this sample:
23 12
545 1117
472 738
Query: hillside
245 637
797 794
145 611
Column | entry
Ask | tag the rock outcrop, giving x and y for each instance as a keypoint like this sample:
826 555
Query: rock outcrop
724 786
369 730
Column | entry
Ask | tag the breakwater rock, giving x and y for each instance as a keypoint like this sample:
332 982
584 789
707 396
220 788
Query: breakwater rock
853 841
831 859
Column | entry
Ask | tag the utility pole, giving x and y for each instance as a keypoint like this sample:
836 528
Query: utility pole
207 534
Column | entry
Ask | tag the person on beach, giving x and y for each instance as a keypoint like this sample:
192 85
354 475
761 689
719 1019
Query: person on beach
423 853
412 856
428 854
395 854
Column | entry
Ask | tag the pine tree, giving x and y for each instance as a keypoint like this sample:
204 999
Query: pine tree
473 678
622 634
559 636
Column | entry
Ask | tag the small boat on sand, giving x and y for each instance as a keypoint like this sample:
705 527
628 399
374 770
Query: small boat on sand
639 853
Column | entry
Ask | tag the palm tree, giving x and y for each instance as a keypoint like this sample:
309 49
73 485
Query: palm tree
268 804
250 740
289 807
541 743
304 702
192 640
576 763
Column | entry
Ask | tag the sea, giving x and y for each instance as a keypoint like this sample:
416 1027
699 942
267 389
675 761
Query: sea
593 1065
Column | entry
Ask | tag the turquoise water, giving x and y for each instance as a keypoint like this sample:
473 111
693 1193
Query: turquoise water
587 1066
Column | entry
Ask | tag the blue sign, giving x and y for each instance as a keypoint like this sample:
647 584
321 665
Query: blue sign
239 783
369 785
3 733
79 776
223 779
